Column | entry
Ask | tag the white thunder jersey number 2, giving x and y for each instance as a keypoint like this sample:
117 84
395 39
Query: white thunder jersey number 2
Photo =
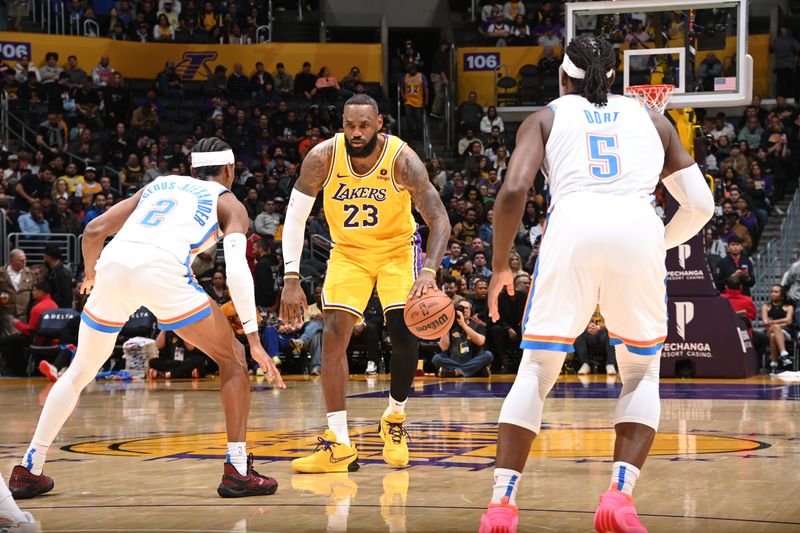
177 214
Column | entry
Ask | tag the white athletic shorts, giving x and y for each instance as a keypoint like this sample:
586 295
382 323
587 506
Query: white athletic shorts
131 275
599 249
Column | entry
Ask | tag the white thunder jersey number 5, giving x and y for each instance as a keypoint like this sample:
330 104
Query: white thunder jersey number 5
612 150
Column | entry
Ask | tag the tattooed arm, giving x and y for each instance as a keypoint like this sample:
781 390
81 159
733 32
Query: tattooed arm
314 168
411 173
313 172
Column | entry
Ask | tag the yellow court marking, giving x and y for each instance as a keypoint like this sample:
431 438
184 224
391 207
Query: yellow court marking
431 443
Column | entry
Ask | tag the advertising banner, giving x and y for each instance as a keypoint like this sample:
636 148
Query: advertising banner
705 339
194 61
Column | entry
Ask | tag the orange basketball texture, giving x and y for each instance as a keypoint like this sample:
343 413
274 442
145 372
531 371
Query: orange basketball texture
431 316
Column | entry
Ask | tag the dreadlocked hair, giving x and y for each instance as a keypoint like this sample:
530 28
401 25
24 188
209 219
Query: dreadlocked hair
209 144
595 56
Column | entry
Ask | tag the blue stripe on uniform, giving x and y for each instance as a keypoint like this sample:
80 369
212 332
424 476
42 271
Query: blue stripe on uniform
192 248
621 478
186 321
650 350
535 275
551 346
98 326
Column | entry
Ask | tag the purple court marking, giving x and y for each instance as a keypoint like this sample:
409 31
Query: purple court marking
439 443
408 506
669 391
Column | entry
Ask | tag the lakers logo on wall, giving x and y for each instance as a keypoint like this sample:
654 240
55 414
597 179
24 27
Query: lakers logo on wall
441 444
192 62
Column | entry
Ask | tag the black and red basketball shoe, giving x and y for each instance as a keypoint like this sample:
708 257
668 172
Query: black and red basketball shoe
25 485
235 485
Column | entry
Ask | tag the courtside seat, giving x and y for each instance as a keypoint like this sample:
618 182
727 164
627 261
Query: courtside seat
57 326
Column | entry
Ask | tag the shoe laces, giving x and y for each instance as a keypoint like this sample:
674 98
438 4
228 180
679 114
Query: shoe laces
397 431
250 469
324 445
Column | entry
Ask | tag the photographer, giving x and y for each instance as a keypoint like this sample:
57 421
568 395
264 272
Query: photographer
462 348
177 359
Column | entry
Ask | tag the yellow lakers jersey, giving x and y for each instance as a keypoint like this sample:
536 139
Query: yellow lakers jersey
367 211
415 96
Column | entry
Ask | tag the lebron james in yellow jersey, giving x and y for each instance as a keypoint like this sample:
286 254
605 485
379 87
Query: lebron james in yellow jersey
368 182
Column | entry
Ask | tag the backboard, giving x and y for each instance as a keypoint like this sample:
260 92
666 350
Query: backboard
698 46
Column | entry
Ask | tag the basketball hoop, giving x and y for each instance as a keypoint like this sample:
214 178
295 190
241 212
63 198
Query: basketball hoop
656 97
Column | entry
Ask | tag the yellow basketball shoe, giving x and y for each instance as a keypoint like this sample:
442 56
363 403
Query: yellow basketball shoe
395 439
329 456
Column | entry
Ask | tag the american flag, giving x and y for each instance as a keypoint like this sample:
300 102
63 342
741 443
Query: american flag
725 84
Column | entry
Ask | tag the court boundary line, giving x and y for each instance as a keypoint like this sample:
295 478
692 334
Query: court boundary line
374 506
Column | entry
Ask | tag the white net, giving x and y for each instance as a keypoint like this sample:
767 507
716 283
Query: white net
656 97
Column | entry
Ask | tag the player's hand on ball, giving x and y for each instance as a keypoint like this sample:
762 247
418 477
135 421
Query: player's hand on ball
425 280
86 286
502 279
267 365
293 303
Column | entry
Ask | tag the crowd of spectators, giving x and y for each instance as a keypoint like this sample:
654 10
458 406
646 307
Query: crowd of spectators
187 21
513 24
521 23
98 141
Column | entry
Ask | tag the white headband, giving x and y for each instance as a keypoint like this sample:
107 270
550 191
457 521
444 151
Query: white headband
212 159
577 73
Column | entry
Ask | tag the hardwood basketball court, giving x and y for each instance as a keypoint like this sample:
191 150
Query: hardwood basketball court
148 456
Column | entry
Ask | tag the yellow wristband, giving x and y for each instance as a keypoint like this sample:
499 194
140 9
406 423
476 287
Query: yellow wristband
291 275
428 269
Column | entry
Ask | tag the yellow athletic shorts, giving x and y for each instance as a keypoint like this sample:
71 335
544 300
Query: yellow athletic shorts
354 272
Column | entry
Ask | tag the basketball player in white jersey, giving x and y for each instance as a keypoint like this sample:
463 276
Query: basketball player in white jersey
604 244
159 231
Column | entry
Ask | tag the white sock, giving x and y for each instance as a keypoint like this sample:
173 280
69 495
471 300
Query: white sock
505 485
337 422
35 457
94 347
395 407
784 353
237 456
623 477
8 507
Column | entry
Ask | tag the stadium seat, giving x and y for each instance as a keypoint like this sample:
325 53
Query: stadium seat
507 96
58 326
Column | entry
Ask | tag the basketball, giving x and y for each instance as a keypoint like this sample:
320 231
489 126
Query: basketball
430 316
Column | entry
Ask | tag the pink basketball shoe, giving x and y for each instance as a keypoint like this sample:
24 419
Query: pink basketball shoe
500 518
616 514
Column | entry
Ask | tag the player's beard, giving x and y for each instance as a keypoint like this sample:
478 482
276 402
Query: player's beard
365 151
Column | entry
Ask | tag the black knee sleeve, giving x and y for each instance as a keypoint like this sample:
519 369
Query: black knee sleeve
405 354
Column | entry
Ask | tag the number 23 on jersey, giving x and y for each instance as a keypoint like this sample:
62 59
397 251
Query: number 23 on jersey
604 163
363 216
